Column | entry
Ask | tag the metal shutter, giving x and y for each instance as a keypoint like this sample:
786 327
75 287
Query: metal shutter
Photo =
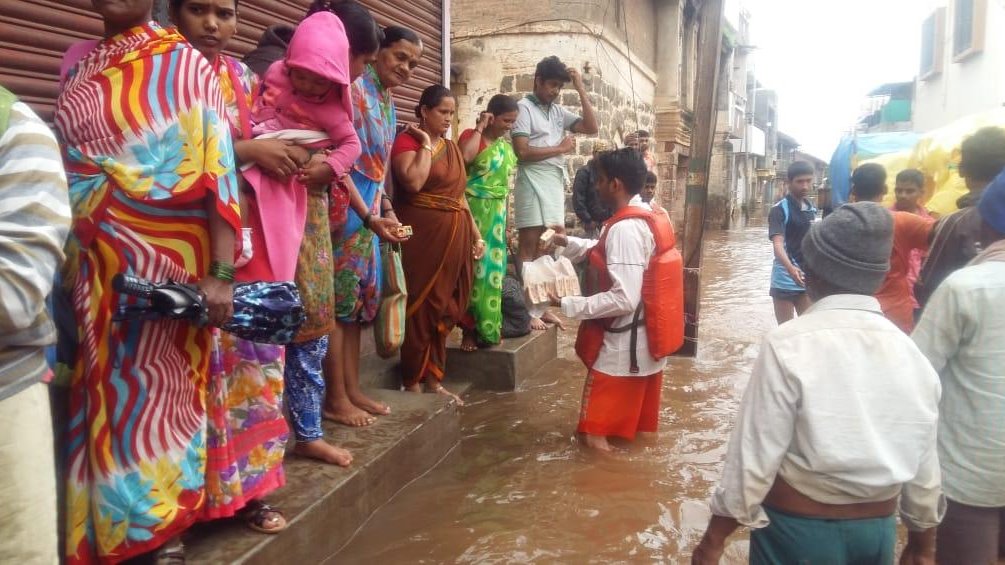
30 50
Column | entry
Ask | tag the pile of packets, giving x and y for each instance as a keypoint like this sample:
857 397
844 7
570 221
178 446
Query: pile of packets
546 277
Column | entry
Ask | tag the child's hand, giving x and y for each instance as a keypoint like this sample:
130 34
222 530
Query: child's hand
317 171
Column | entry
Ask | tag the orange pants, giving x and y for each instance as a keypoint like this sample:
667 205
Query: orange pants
620 406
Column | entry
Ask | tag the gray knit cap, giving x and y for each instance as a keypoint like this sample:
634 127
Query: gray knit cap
851 247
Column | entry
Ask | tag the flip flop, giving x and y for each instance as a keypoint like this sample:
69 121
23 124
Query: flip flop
256 515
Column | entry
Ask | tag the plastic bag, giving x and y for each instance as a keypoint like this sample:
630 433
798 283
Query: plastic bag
545 277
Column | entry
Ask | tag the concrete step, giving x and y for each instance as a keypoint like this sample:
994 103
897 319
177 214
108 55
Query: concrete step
494 368
501 368
324 504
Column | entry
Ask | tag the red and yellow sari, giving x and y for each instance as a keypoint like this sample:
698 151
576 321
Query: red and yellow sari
146 144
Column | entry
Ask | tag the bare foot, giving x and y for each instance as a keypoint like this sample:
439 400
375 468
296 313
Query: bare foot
469 343
370 405
538 324
347 414
440 389
598 443
553 319
323 451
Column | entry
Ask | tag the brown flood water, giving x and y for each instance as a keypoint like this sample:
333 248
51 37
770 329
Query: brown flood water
519 489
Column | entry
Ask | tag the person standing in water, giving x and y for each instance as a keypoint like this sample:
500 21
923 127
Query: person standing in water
789 220
622 392
909 190
961 333
823 454
910 234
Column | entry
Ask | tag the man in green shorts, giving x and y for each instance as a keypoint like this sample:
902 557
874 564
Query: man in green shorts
541 140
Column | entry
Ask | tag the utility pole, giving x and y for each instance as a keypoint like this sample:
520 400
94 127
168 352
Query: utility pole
696 195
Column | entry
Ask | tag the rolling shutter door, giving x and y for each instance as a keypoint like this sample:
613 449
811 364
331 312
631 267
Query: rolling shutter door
30 51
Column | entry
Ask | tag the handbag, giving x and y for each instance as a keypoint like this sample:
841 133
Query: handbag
389 324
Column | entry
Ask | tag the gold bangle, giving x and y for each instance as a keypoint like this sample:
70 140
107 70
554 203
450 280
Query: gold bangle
428 147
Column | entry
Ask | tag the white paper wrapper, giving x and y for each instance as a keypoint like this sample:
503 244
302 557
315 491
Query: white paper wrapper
546 276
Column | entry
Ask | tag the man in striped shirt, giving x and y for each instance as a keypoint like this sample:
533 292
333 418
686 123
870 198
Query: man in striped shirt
34 221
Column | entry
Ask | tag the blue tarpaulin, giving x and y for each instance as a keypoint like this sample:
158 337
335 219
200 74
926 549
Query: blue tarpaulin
858 148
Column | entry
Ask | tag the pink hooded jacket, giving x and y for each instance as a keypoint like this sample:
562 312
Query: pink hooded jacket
319 45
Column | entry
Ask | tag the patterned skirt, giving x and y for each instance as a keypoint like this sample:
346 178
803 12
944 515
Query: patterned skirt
246 433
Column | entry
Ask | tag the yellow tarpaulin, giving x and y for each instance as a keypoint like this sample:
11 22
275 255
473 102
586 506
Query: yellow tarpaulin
937 155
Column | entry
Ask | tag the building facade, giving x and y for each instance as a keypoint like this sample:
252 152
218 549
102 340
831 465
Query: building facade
638 59
962 55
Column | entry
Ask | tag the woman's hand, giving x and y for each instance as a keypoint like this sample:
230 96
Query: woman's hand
485 119
278 158
478 250
386 229
415 131
316 172
219 299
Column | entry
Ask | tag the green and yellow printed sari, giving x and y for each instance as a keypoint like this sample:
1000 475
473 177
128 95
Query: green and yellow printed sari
487 189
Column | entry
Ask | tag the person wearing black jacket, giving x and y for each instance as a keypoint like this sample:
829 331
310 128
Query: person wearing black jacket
585 201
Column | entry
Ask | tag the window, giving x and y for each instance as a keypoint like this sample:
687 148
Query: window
968 27
932 40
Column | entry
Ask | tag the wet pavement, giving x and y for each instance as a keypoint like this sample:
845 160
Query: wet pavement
519 489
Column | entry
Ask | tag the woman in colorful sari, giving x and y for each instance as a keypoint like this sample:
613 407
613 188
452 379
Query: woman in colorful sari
355 246
246 436
438 260
150 166
490 159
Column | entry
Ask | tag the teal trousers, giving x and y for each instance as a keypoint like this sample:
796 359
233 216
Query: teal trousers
791 539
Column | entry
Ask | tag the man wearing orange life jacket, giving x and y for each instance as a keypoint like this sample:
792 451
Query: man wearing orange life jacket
628 329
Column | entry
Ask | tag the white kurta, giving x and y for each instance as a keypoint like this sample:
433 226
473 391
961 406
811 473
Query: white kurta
843 407
963 334
630 246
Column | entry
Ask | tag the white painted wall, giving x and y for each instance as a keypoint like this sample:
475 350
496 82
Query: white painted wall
974 85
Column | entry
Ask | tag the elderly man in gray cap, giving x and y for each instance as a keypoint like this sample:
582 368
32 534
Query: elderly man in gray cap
963 334
838 422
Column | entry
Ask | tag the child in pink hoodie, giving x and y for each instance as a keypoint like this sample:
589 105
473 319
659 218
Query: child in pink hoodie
304 99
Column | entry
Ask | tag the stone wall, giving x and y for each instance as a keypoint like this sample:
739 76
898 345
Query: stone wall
621 89
612 18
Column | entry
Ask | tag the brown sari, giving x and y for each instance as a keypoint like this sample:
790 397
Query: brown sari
437 261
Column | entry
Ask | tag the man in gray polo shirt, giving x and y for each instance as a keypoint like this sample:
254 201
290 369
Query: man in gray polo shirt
541 140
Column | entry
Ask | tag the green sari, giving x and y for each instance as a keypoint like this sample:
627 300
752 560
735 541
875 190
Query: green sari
487 188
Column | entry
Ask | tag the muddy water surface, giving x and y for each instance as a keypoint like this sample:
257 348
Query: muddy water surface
519 489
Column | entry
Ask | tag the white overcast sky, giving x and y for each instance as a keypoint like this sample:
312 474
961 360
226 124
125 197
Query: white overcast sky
823 56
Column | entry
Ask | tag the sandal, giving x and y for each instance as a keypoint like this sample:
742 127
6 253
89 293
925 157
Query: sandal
257 515
170 554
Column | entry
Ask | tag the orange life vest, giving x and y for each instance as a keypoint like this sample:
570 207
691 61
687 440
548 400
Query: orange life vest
662 306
